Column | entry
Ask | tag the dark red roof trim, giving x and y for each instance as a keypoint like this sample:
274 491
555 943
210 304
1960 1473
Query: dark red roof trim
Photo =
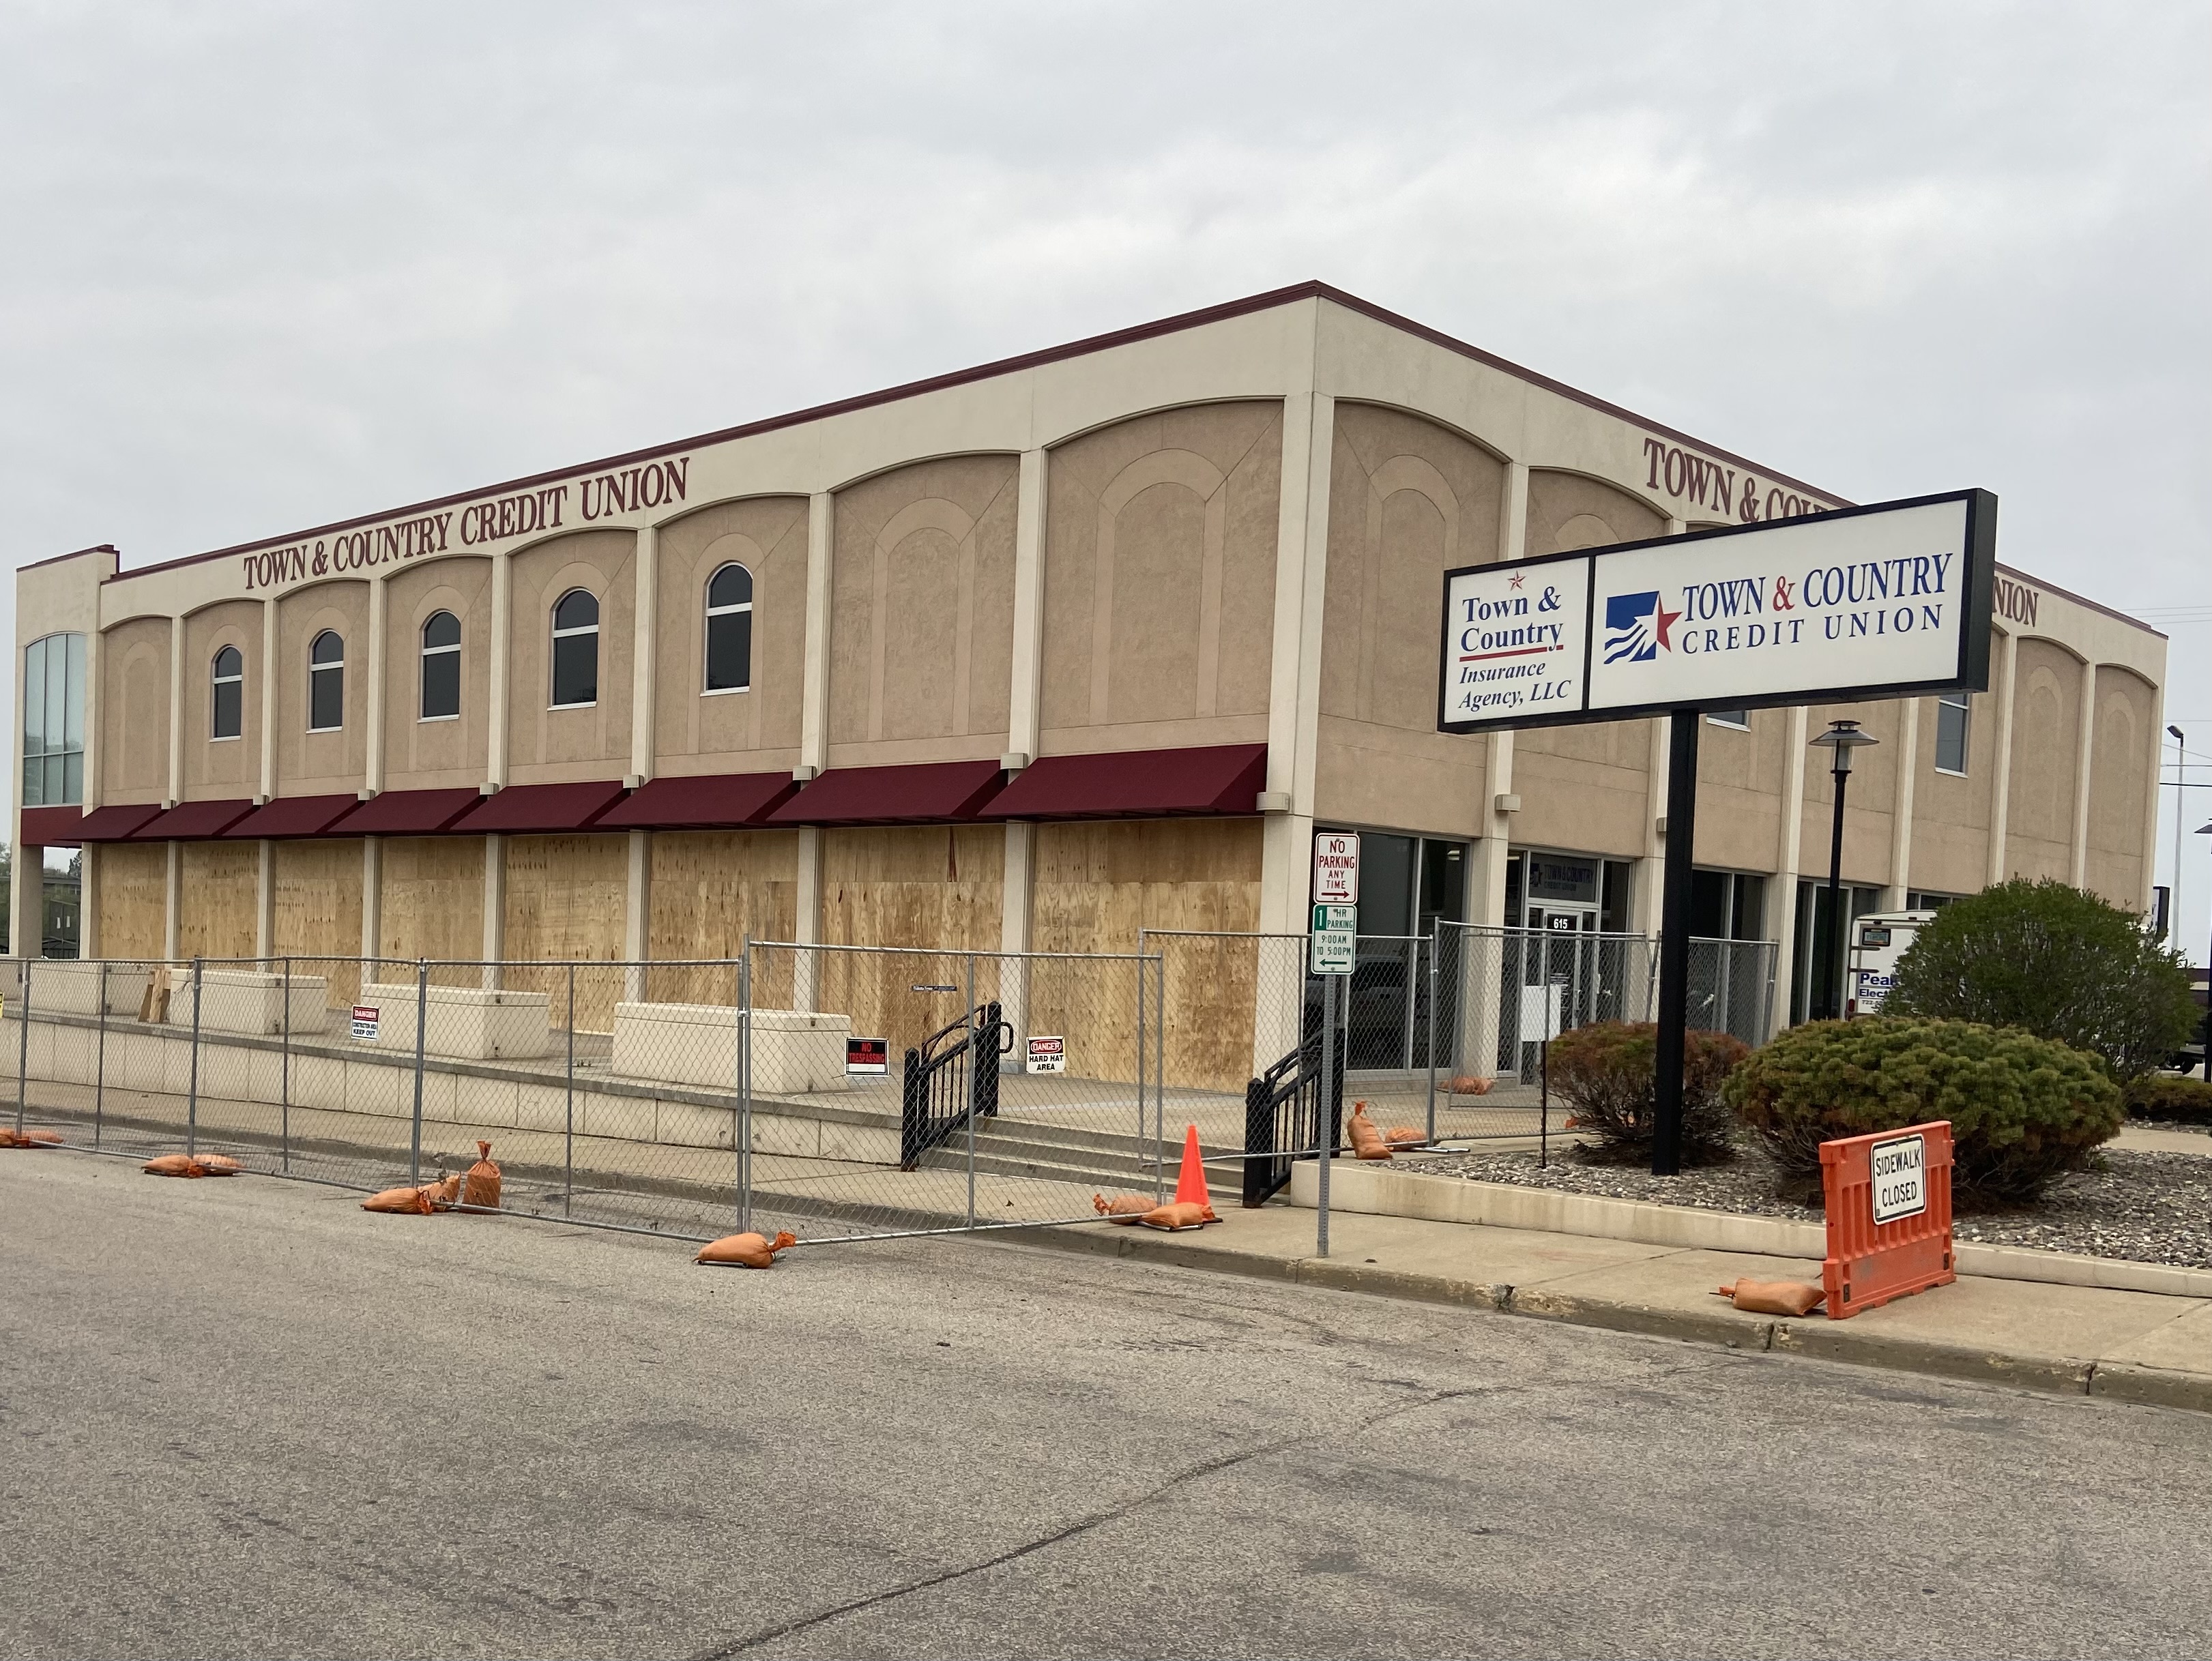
1170 325
713 801
539 809
1143 783
930 793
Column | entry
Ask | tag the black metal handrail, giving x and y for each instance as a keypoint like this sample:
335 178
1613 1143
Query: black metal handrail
1282 1117
951 1077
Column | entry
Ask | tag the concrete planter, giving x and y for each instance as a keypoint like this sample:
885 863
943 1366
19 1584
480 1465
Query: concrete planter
470 1022
68 987
795 1051
231 1000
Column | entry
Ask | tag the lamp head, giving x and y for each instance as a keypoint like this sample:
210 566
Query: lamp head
1841 738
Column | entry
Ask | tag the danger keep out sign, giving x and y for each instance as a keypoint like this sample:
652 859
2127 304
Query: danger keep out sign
1900 1178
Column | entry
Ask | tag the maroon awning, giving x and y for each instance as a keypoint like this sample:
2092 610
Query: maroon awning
189 821
56 828
540 809
714 801
406 812
1137 784
115 824
293 816
931 792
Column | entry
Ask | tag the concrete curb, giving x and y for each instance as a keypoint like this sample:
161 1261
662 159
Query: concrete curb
1371 1191
1817 1339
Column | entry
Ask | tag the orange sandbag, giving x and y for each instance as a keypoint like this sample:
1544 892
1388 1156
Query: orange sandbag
11 1138
1123 1208
404 1202
218 1165
1405 1135
174 1165
1366 1141
1179 1213
1774 1297
1469 1084
746 1250
482 1188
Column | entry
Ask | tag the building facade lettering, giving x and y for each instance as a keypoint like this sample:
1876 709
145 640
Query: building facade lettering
1694 481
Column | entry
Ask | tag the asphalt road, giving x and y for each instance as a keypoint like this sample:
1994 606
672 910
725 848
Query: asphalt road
245 1418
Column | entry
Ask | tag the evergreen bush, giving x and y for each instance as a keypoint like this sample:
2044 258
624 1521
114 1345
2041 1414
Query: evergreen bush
2054 961
1607 1072
2023 1109
2162 1096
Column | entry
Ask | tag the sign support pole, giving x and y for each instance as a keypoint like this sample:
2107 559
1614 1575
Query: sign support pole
1674 939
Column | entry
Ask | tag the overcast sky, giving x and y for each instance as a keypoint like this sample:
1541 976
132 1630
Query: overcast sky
265 266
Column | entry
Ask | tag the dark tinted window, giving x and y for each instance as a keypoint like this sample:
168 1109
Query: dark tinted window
327 682
229 686
575 649
441 666
729 629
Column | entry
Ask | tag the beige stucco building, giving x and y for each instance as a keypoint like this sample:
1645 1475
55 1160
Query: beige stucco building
1029 656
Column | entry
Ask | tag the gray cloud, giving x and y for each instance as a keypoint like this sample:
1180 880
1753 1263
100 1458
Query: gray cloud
269 266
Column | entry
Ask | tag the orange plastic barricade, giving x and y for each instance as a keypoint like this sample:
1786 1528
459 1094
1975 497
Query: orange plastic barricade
1889 1216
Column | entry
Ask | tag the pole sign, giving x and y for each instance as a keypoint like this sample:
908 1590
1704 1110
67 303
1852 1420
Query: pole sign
1335 939
1336 868
1876 602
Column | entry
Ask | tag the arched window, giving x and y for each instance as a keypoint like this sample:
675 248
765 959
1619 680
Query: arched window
228 683
327 682
729 629
575 649
441 667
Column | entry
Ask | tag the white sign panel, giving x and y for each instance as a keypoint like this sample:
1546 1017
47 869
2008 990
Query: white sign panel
366 1018
1335 941
1515 639
1048 1055
1336 868
1866 601
1900 1178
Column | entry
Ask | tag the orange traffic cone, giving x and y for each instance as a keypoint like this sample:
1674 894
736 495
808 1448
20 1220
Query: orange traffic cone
1190 1183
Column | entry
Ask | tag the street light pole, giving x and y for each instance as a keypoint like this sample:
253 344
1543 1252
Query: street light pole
2180 803
1841 738
2202 830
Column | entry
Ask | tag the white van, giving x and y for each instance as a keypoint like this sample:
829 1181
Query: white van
1878 940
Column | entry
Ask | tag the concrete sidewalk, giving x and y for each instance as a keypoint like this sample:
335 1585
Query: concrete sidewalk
2129 1346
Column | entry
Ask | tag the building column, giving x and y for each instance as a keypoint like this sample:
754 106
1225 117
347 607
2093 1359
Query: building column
644 657
172 894
1023 727
89 932
265 900
2001 775
372 908
2084 756
1788 859
502 632
372 682
805 974
269 700
1014 920
89 940
176 789
1900 818
495 907
2147 901
1294 682
26 892
1486 901
637 916
814 676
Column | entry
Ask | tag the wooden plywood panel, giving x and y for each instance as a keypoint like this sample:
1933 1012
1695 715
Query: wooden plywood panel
567 899
937 893
433 905
131 881
215 895
712 891
1097 885
317 900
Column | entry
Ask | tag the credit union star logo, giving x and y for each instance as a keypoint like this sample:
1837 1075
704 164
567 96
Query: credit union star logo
1636 628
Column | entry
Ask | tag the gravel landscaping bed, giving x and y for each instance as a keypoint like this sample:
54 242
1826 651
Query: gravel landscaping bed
2144 1206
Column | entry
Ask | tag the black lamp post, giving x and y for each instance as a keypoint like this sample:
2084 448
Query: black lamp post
2202 830
1841 738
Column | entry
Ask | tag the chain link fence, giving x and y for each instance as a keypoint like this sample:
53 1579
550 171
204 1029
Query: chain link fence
841 1092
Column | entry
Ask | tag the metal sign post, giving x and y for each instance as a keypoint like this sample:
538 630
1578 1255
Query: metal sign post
1675 941
1333 947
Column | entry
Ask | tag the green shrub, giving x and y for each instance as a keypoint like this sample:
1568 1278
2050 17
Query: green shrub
2057 962
1606 1072
2022 1109
2182 1100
